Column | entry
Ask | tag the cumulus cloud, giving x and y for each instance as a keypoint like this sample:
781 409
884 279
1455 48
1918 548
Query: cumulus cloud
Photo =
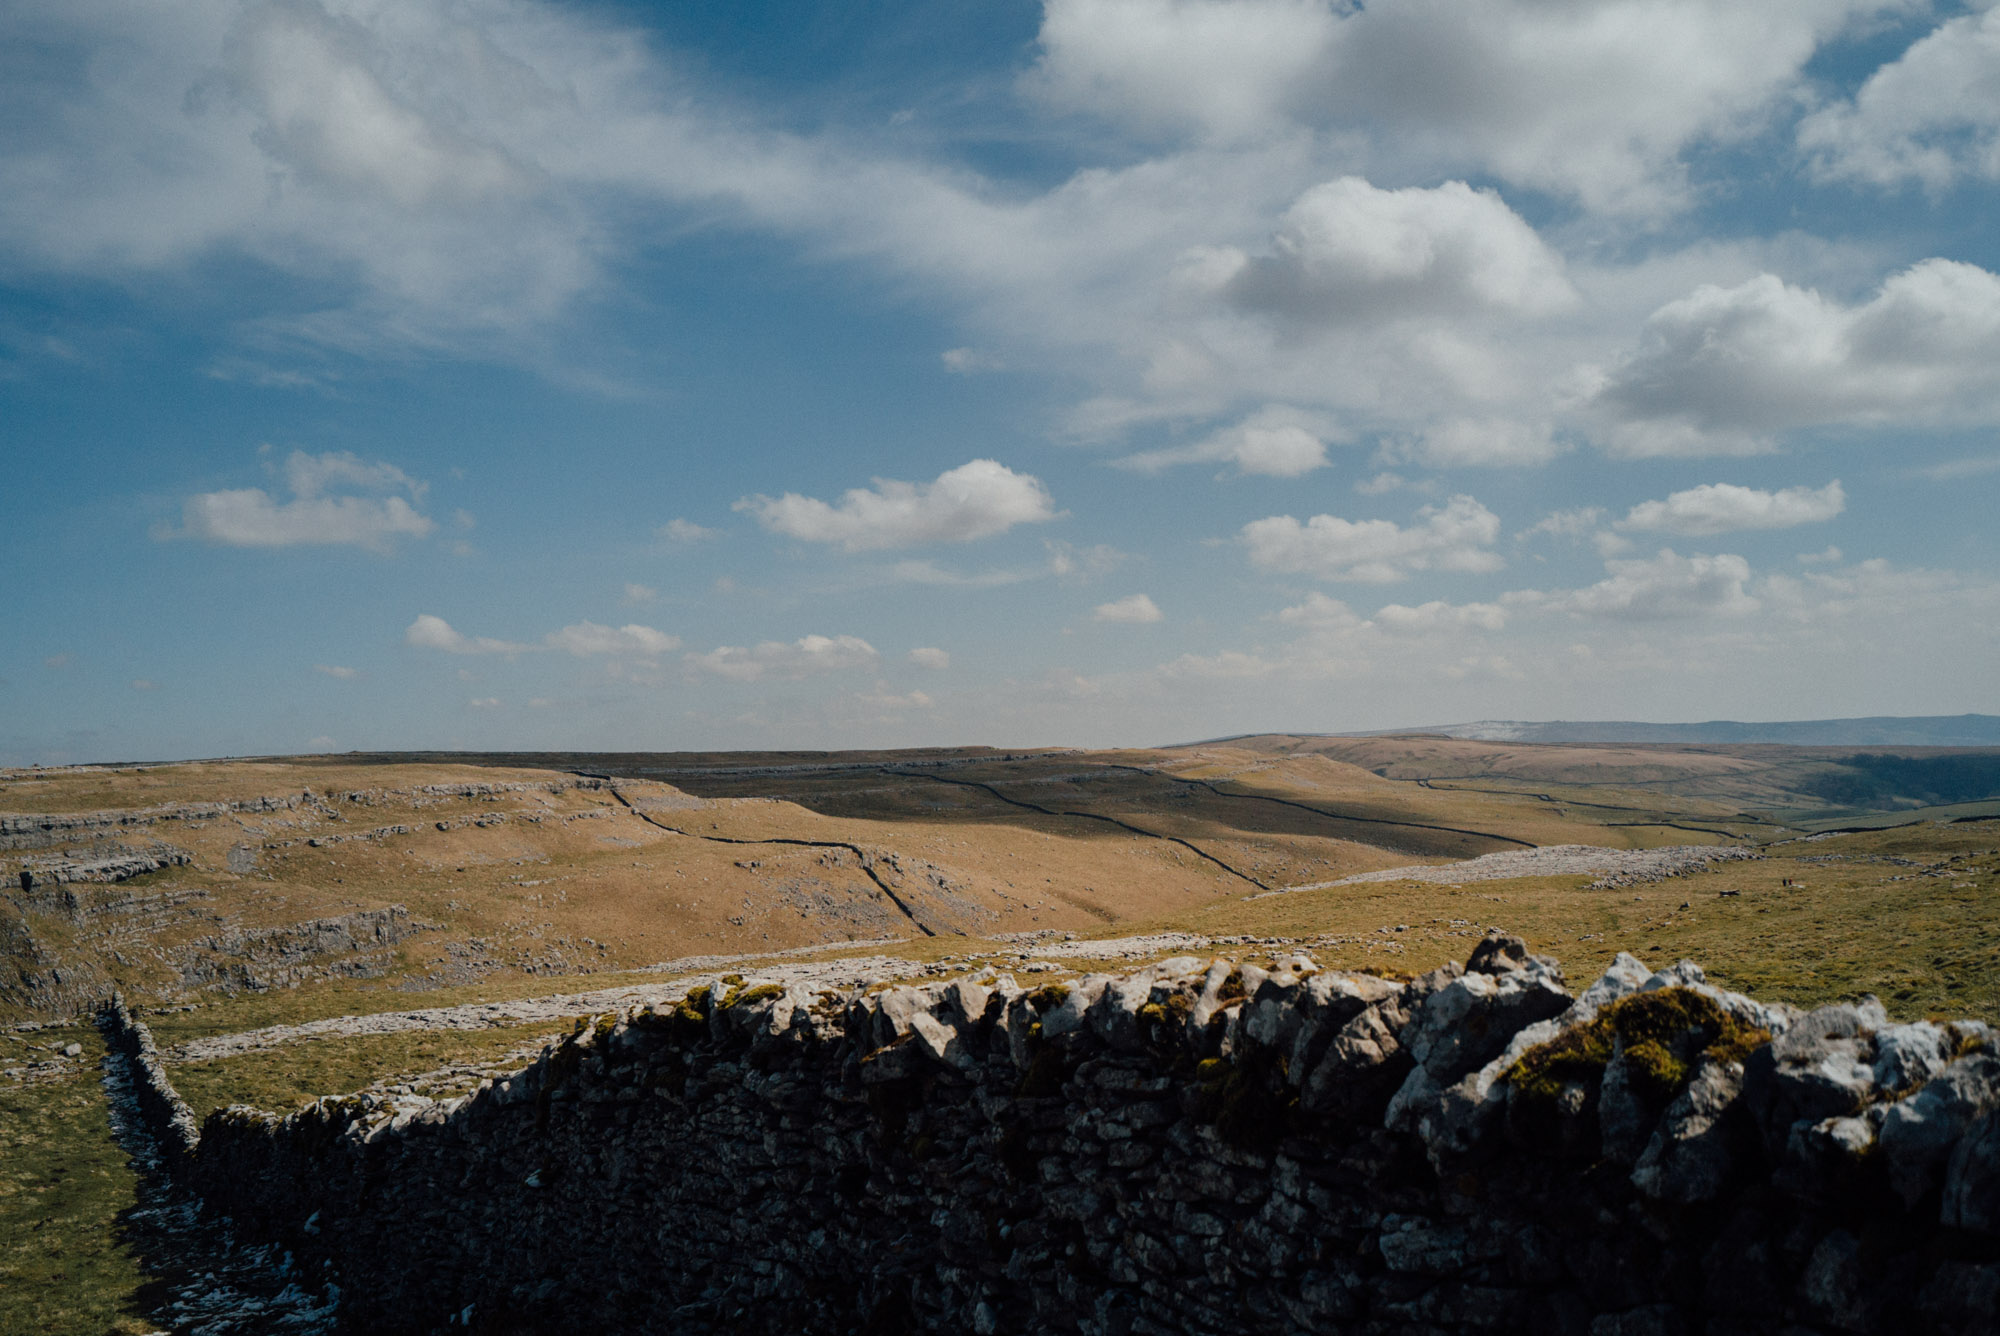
637 593
1662 587
1276 442
432 632
929 657
1931 117
1591 101
805 657
973 501
1457 536
1320 613
1220 69
1715 508
1723 370
248 517
1350 252
1133 609
588 638
251 517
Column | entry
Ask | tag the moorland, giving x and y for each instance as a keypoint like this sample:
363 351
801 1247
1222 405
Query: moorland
297 926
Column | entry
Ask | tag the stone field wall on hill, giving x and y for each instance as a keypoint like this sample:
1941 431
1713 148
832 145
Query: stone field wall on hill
1191 1148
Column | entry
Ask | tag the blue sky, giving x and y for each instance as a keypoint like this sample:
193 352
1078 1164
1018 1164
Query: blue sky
502 373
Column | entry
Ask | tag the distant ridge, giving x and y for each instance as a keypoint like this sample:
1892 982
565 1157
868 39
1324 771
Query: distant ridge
1956 730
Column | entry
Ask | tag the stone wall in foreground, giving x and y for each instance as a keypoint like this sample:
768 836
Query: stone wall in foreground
1192 1148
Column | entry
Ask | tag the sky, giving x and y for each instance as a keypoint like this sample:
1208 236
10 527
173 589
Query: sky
382 374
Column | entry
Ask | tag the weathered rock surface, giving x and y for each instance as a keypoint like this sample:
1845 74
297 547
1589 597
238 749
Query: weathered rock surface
263 958
1191 1148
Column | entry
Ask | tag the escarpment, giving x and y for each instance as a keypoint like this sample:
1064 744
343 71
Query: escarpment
1196 1147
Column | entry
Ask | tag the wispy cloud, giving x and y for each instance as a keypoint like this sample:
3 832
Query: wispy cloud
808 656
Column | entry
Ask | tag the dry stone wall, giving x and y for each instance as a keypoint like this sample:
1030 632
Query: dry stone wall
1192 1148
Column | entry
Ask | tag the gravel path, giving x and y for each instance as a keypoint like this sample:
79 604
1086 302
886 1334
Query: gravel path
1624 867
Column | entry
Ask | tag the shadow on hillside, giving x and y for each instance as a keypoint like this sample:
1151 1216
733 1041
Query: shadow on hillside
1042 791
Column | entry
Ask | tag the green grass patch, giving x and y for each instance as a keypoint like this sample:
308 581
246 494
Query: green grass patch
283 1078
63 1184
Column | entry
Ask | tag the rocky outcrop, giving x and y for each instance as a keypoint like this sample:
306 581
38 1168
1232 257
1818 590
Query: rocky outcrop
353 945
1192 1148
36 830
38 875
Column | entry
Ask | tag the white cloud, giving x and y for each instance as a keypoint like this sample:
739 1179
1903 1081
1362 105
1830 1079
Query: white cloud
1715 508
684 533
973 501
144 684
1931 116
1380 484
1276 442
587 638
1828 556
431 632
1320 613
806 657
1663 587
1457 536
250 517
637 593
1440 616
1723 370
928 657
1349 252
1596 101
1564 523
334 670
1222 69
1329 619
1592 101
484 702
1133 609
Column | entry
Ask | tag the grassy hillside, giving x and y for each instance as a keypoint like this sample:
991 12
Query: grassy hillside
289 890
